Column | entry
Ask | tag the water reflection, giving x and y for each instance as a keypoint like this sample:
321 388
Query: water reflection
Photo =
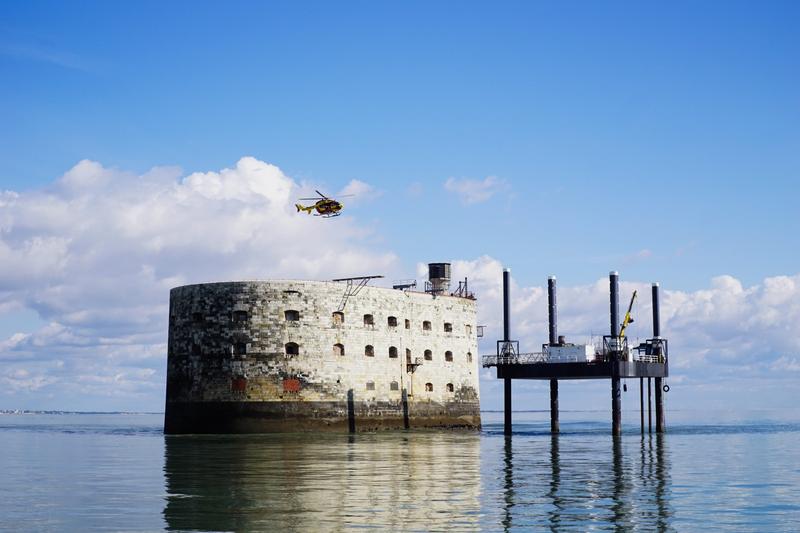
406 481
583 482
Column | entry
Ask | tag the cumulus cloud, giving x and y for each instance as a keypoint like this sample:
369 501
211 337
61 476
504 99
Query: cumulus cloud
96 252
471 191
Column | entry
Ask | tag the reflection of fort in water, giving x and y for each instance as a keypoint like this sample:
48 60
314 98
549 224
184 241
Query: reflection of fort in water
417 480
322 483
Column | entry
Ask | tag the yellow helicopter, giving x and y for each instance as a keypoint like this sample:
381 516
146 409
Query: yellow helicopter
325 207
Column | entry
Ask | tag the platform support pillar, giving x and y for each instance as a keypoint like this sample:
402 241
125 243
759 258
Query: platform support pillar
641 402
552 319
506 337
616 407
660 426
554 426
659 406
616 391
649 407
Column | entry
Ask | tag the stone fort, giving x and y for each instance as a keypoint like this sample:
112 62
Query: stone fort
284 355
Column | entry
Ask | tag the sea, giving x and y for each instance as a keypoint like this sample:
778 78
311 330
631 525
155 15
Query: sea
711 471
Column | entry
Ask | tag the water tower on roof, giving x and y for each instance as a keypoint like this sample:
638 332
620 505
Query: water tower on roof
438 278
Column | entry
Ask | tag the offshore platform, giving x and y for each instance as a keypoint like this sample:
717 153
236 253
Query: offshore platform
559 360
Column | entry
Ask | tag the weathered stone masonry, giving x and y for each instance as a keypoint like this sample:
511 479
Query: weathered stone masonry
263 356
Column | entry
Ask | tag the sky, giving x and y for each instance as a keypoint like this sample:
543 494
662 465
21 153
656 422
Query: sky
146 145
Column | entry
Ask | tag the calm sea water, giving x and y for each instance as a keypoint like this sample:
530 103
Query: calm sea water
81 472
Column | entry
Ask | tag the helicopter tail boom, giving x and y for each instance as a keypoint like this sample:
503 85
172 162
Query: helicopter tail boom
304 208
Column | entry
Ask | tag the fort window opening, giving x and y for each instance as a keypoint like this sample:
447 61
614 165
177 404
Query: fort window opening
428 355
392 320
291 315
469 357
392 352
448 356
408 356
408 324
239 348
369 351
429 387
426 325
394 386
292 348
239 316
449 387
469 329
370 385
448 327
369 320
338 349
338 318
197 317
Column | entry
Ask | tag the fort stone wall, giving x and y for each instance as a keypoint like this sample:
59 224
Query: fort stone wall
262 356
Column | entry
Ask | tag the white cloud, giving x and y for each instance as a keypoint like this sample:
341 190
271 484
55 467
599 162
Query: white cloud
472 191
357 191
96 253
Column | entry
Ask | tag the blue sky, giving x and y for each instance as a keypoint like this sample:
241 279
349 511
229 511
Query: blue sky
658 139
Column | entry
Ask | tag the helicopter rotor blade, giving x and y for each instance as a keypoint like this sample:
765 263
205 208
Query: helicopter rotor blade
323 196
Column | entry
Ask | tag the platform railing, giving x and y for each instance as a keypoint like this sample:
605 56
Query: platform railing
513 359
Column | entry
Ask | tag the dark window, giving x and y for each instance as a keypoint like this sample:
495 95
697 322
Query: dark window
338 318
408 356
338 349
392 352
426 325
448 327
428 355
195 349
429 387
469 357
448 356
197 317
370 385
408 324
369 320
449 387
240 316
392 320
394 386
239 348
369 351
292 348
291 315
